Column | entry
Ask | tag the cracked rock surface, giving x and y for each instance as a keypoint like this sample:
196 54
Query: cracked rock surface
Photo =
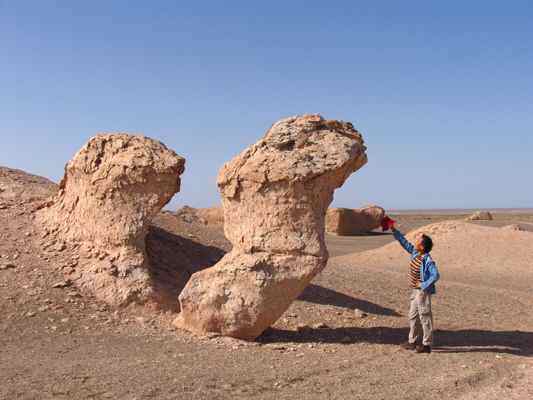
275 195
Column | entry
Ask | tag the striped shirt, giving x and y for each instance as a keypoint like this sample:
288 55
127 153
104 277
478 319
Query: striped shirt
414 271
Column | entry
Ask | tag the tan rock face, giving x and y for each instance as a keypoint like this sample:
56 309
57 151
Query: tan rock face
111 189
275 195
345 221
480 216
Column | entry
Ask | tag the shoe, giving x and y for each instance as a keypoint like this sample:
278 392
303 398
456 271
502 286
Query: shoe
408 346
423 349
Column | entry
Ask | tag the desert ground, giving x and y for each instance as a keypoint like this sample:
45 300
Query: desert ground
339 340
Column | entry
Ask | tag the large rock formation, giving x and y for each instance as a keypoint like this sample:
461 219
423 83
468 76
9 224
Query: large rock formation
111 189
346 221
480 216
275 195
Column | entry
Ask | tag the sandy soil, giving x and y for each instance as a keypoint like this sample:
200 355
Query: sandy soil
338 341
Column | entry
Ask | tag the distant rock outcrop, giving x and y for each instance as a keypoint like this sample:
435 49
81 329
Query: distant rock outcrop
111 189
346 221
213 216
18 186
275 195
522 227
188 215
480 216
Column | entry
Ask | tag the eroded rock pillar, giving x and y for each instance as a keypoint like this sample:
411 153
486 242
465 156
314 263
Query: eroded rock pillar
275 195
111 189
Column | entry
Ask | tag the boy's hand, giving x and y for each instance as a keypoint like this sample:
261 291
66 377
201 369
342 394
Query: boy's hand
387 223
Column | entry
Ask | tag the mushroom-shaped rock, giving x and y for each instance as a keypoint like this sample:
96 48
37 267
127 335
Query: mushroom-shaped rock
111 189
275 195
346 221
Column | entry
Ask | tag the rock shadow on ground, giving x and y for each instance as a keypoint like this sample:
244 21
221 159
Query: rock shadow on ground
172 261
321 295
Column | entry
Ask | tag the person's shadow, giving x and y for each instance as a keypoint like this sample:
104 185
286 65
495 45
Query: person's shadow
446 341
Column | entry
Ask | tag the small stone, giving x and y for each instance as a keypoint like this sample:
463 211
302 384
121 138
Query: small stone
62 284
30 314
507 384
68 270
303 327
8 266
360 314
320 325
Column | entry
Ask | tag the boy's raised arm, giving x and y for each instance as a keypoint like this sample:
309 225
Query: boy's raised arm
403 241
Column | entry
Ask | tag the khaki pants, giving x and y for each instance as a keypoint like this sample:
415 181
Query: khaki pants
420 310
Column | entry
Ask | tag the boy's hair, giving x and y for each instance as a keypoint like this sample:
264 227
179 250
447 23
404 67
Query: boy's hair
427 242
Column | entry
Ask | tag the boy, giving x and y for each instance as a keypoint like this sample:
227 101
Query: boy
423 274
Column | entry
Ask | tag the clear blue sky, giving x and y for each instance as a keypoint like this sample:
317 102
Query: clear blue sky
442 91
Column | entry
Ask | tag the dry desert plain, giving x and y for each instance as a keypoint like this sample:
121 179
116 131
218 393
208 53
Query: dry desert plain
339 340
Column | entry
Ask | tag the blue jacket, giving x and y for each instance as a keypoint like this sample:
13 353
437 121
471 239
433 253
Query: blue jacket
429 273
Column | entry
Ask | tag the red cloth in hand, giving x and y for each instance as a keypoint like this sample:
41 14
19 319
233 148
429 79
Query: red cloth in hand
387 223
